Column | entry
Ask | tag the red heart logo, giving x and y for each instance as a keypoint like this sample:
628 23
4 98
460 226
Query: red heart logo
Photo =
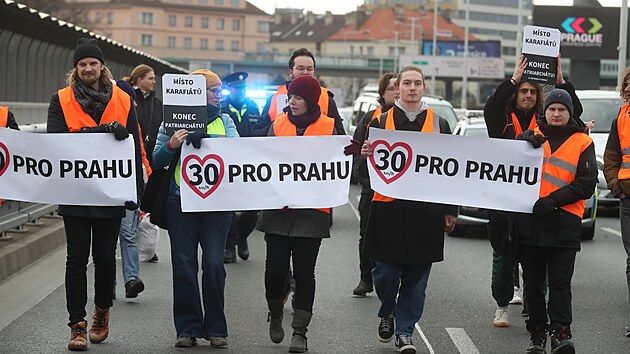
5 158
394 175
201 173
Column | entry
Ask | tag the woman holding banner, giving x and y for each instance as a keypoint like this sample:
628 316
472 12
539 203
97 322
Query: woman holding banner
549 239
295 233
187 231
405 237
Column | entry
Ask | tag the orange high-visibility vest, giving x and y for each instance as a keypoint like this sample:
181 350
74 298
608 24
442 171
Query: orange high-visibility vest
282 90
324 125
559 168
4 116
517 126
377 112
117 109
145 161
431 125
623 124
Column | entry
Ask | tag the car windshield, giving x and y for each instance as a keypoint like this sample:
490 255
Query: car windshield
445 112
602 110
476 130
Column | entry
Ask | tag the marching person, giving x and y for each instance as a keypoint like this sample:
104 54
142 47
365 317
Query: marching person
92 104
511 110
197 315
387 95
295 234
616 171
549 239
402 248
245 114
7 119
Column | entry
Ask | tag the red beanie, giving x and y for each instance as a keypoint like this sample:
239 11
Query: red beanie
306 87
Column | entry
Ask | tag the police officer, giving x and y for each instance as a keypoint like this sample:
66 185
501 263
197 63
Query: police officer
245 114
7 119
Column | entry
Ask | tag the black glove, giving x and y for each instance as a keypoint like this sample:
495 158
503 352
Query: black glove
536 140
131 205
194 138
119 130
544 206
353 149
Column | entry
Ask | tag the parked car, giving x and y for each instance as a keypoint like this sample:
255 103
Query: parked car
472 217
601 107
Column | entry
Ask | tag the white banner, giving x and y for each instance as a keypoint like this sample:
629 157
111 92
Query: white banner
265 173
74 169
459 170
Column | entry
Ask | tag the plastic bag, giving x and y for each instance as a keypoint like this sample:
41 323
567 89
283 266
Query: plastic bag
148 238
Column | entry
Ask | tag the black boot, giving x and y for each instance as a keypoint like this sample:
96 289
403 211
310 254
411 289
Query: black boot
243 249
538 340
301 319
363 288
230 255
561 340
274 317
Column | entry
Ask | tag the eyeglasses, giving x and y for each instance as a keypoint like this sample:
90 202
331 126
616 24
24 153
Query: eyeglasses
309 69
215 91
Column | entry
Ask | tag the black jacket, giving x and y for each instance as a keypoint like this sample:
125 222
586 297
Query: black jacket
150 116
404 231
561 228
246 123
498 118
57 124
359 164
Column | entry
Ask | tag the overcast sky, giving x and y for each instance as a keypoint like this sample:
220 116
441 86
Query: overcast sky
344 6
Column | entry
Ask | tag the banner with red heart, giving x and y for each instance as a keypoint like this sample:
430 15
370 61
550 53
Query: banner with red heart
394 160
207 173
5 158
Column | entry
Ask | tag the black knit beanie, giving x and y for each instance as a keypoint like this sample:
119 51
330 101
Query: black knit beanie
87 48
559 96
306 87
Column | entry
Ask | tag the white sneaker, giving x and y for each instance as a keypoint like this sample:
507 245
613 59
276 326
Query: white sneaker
516 299
501 317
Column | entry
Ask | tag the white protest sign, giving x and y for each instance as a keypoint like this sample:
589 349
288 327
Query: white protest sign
541 46
74 169
185 102
459 170
265 173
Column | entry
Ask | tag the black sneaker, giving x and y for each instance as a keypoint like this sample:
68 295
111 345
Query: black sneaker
363 288
627 331
229 256
538 342
386 329
561 340
404 344
153 259
133 288
243 249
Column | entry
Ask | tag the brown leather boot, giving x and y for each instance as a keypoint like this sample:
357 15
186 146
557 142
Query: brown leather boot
100 325
78 336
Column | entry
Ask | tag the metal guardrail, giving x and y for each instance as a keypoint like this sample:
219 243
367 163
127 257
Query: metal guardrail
15 215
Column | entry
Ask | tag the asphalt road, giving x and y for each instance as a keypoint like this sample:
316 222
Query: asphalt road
457 318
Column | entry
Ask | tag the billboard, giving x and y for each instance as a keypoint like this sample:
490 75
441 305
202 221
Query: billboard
585 32
477 67
487 49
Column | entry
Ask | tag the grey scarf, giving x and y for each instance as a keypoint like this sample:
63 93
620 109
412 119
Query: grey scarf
91 101
412 115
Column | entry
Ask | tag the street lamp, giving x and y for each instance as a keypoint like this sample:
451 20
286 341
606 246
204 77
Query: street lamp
434 48
464 101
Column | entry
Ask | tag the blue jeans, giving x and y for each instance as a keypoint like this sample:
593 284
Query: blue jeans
129 245
187 231
407 281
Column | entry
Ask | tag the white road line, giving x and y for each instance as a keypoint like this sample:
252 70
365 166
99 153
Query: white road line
462 341
426 341
612 231
356 212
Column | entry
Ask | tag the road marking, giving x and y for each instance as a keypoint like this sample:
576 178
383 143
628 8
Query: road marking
356 212
424 338
462 341
612 231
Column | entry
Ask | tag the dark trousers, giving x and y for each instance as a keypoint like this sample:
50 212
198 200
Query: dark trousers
365 263
243 223
102 234
558 264
303 252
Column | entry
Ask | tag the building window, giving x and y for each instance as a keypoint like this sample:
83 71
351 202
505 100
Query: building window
187 42
171 42
220 23
98 17
172 20
370 51
236 25
218 2
188 21
219 44
263 27
147 40
203 43
204 22
235 3
262 47
110 18
147 18
236 46
203 2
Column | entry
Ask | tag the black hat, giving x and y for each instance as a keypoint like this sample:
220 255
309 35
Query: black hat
559 96
87 48
235 79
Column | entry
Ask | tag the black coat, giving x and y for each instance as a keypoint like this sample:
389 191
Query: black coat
247 123
150 116
404 231
57 124
561 228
